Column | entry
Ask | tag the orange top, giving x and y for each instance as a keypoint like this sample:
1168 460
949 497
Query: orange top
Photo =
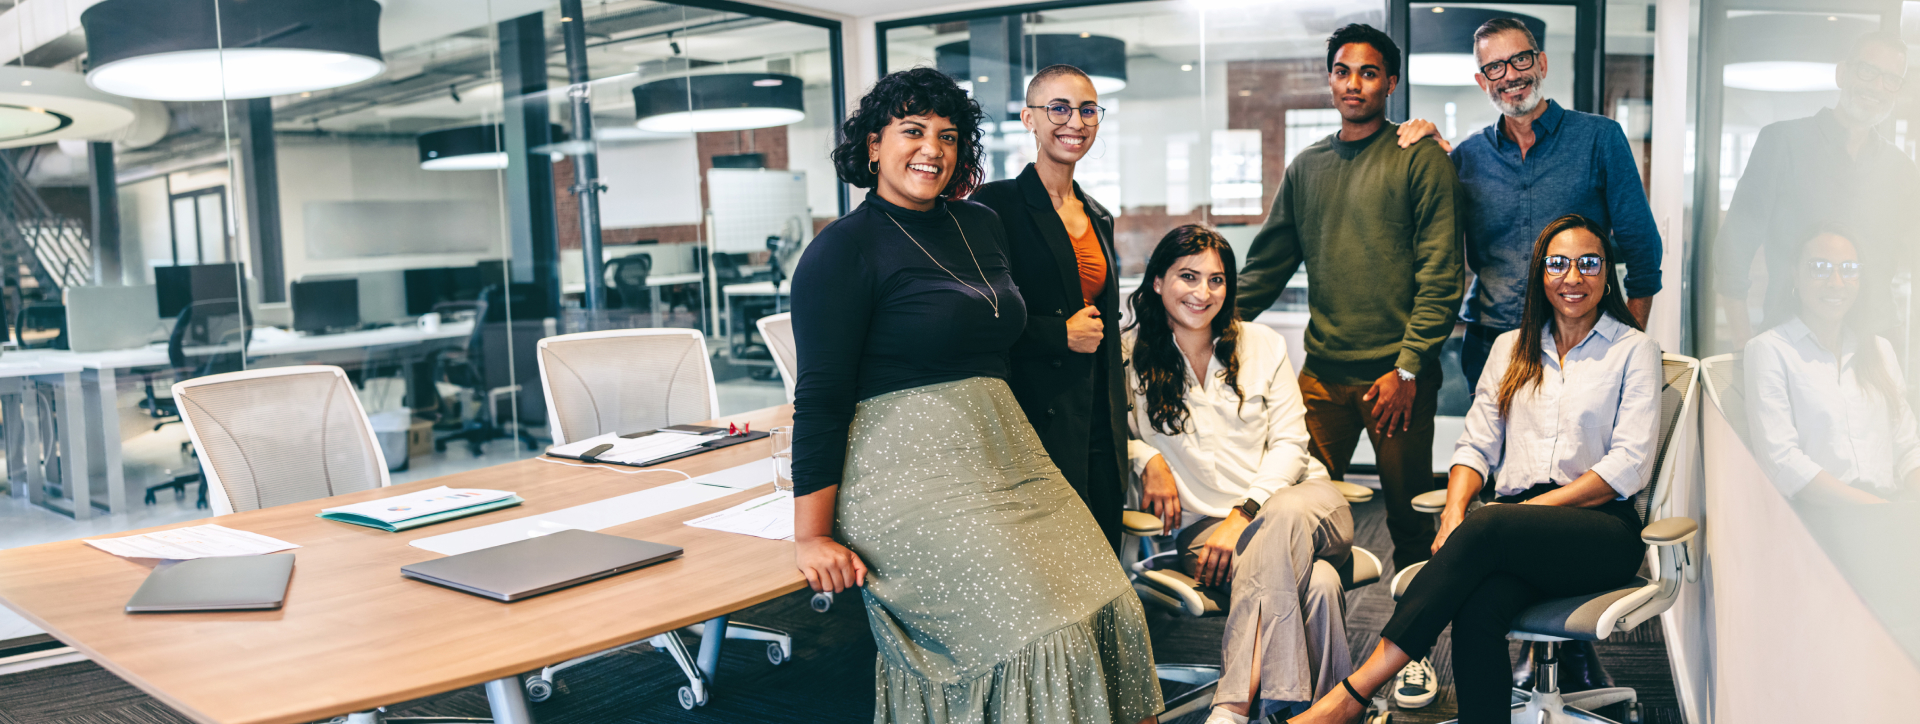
1093 264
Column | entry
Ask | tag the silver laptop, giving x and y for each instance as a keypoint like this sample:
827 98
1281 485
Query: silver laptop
236 583
528 568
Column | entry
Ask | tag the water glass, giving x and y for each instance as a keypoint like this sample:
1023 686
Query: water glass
782 438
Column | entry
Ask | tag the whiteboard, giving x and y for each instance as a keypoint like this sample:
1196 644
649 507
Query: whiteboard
751 204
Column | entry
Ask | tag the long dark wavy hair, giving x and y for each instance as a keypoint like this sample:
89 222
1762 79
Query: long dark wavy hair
912 92
1868 366
1525 370
1156 359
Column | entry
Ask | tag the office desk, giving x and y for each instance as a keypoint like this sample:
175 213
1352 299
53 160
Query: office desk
99 384
355 635
654 284
25 460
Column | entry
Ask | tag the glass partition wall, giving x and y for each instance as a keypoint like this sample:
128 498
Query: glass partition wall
408 193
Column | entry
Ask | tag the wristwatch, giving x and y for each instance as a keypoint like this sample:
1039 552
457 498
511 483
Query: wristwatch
1405 376
1250 507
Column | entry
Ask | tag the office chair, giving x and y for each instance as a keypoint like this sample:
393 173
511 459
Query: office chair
481 368
777 330
41 317
1174 591
626 276
1594 617
284 435
209 337
628 380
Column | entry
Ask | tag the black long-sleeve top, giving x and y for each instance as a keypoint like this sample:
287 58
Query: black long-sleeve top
873 314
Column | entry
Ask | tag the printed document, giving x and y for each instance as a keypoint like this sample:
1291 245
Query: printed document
768 516
200 541
422 503
635 451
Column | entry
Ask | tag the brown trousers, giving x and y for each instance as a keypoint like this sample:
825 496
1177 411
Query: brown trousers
1335 416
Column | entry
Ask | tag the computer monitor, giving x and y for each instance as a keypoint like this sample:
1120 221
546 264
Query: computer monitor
175 287
427 287
326 304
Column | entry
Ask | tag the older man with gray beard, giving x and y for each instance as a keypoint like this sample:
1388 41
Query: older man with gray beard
1538 162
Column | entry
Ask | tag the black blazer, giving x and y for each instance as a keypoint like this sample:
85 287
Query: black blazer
1055 385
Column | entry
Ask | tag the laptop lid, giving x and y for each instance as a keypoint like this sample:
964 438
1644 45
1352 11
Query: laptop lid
215 584
527 568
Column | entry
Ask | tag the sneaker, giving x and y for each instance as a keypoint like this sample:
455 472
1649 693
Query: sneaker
1220 715
1415 686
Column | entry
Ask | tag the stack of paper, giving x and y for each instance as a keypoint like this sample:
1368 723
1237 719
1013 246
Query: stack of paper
768 516
640 450
200 541
413 510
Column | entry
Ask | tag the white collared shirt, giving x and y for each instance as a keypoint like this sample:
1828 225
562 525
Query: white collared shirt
1808 412
1601 412
1232 450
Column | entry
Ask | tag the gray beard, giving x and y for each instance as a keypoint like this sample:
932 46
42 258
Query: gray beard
1515 110
1850 108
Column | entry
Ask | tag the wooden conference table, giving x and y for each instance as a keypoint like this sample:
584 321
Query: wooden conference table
354 635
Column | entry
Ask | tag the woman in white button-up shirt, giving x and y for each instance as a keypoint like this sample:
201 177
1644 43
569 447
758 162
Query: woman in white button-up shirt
1565 417
1220 449
1829 428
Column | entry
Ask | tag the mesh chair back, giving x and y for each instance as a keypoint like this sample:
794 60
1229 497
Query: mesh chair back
625 380
281 435
1680 378
777 330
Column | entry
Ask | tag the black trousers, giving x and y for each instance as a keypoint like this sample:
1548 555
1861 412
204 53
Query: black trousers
1503 559
1106 484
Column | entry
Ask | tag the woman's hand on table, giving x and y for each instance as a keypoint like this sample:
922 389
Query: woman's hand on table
828 565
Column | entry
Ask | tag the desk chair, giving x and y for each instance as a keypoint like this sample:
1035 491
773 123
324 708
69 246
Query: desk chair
1596 616
628 380
41 317
470 368
284 435
777 330
209 337
1173 590
626 276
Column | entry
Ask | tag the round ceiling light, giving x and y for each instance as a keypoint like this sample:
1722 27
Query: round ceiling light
41 105
468 148
1788 76
1440 51
1785 53
718 102
169 51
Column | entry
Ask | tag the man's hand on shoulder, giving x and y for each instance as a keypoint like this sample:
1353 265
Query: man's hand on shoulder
1415 129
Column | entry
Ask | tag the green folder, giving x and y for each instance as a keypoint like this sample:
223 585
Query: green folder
409 523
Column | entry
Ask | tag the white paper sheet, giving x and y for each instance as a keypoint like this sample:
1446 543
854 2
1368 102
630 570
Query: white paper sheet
603 514
200 541
768 516
636 451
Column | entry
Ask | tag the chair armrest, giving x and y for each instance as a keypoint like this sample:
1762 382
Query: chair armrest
1671 531
1432 501
1353 493
1140 523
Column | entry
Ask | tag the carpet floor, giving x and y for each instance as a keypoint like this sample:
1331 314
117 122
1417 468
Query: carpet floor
829 680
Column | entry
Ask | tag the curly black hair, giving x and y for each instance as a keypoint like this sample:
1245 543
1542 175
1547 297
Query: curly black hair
1366 35
912 92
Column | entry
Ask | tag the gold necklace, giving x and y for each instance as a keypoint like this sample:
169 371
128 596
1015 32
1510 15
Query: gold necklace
995 300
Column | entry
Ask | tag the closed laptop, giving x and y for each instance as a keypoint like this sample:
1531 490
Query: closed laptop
234 583
527 568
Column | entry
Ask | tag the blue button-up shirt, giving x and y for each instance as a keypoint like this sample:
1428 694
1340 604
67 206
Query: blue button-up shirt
1579 164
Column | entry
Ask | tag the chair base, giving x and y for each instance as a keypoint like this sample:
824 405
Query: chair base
1552 707
699 671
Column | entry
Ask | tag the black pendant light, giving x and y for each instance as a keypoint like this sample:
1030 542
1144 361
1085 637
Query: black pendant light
1102 58
718 102
467 148
170 51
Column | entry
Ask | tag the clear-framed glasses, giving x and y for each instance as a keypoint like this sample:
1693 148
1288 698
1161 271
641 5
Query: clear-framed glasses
1589 265
1090 115
1823 269
1522 60
1869 73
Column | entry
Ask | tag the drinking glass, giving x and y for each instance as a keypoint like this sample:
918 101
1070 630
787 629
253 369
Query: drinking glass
782 458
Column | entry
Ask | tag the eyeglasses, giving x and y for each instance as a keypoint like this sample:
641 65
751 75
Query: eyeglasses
1589 265
1823 269
1866 72
1090 115
1522 60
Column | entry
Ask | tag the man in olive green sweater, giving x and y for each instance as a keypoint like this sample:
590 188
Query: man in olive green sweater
1376 225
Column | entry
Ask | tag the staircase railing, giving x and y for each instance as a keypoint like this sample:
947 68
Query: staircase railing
62 252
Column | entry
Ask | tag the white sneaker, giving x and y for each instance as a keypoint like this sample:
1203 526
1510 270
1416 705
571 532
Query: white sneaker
1220 715
1415 686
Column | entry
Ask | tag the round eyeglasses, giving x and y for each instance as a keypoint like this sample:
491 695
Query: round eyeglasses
1522 60
1823 269
1090 115
1868 73
1589 265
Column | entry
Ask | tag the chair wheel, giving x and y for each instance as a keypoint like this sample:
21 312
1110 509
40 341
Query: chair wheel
775 654
822 602
1385 717
687 699
539 689
1635 714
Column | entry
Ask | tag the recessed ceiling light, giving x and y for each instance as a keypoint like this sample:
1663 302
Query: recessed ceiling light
1086 35
1439 10
983 79
1186 66
26 82
1245 93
